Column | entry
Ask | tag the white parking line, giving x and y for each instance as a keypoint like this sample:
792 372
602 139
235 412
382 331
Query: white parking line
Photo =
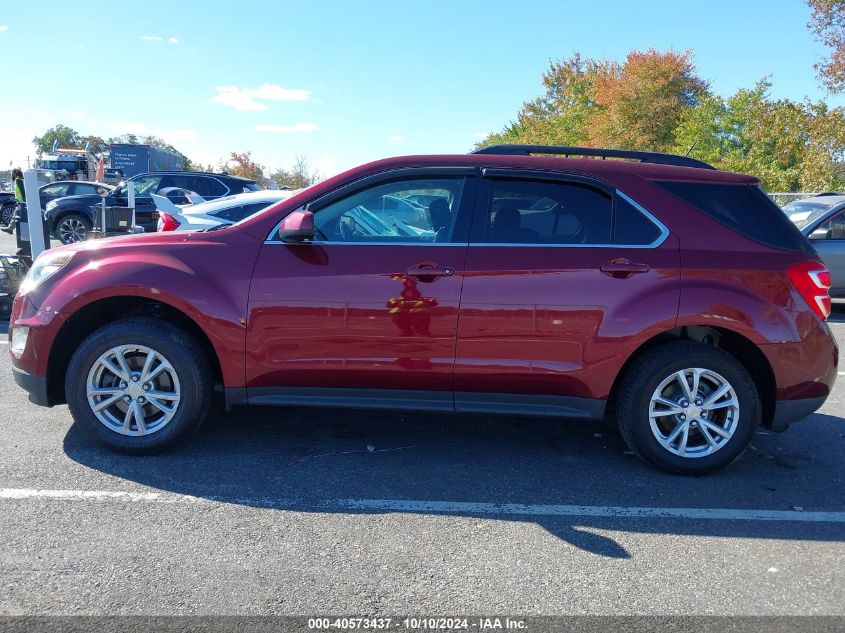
434 507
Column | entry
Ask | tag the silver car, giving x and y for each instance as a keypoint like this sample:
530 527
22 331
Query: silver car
822 219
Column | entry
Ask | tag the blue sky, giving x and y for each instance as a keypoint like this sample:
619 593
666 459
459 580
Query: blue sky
346 82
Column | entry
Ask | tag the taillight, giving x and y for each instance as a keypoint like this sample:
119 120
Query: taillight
812 281
167 222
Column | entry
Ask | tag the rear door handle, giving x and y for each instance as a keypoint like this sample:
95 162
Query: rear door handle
427 271
623 268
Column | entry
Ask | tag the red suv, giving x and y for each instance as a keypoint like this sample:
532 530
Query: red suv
649 287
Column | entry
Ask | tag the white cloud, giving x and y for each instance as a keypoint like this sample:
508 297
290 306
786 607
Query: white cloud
286 129
173 40
4 27
246 99
480 135
152 38
396 138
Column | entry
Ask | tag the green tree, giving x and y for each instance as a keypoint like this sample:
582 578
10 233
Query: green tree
297 177
66 136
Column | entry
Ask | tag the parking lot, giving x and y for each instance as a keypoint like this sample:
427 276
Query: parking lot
306 511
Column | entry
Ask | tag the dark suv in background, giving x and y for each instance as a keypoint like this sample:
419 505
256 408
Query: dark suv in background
674 298
71 218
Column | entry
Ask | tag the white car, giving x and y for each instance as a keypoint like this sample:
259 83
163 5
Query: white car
212 213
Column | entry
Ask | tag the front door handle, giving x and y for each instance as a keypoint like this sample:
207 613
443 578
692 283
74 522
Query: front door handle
622 268
427 271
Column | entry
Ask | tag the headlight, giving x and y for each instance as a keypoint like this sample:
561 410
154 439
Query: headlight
47 265
51 205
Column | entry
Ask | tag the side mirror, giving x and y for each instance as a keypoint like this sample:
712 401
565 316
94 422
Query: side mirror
298 226
819 234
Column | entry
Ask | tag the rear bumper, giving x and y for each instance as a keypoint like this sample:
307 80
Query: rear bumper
788 411
35 385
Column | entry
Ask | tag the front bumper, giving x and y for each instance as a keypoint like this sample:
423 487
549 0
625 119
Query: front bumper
789 411
35 385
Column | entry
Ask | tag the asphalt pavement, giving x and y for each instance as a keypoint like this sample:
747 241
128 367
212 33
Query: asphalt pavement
309 511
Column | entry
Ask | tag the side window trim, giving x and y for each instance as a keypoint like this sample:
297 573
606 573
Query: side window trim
485 189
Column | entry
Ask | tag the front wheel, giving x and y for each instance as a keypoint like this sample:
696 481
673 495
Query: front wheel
139 385
7 214
73 228
688 408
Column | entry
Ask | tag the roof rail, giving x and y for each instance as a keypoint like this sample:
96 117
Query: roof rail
656 158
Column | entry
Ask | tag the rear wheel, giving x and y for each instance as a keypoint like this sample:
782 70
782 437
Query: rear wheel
73 228
139 385
688 408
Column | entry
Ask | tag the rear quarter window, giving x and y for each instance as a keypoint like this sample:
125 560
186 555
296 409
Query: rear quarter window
743 208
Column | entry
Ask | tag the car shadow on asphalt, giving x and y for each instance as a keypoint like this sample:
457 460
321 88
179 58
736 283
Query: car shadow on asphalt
316 460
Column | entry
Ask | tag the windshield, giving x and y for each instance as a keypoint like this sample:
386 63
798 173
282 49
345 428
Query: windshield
805 213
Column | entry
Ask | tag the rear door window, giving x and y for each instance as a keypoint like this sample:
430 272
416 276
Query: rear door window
743 208
561 213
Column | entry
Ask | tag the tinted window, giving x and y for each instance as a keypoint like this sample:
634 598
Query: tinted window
631 227
388 213
252 209
743 208
534 212
204 186
85 189
232 214
56 190
833 229
144 186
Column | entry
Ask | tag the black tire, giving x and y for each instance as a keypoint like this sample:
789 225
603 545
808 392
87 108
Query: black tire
188 360
6 307
646 374
72 228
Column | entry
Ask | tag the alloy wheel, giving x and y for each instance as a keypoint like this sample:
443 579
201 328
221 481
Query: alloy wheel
72 230
694 412
133 390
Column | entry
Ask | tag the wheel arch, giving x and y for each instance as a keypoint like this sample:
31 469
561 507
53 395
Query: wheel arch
98 313
737 345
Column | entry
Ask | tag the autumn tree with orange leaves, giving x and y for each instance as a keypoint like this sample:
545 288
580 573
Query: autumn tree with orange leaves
656 101
828 25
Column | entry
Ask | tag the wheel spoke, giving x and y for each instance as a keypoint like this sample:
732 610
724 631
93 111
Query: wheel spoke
121 359
713 397
730 402
682 445
138 412
706 435
161 407
681 377
715 428
675 432
109 364
127 419
162 366
671 407
163 395
148 364
107 402
696 382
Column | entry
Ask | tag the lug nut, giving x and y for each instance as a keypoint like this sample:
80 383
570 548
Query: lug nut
683 417
147 386
123 384
684 403
136 377
694 424
127 399
142 399
698 402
